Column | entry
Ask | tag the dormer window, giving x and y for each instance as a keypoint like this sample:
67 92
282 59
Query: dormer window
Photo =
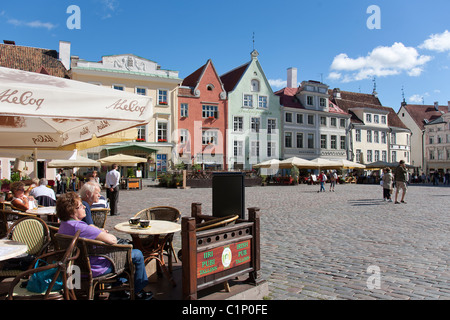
255 85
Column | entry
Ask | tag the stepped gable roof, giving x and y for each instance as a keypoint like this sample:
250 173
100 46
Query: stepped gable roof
420 113
231 78
288 98
33 60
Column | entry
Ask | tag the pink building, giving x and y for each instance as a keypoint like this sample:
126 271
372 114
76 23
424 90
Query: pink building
202 119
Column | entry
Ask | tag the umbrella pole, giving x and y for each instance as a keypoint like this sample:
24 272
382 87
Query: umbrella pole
35 164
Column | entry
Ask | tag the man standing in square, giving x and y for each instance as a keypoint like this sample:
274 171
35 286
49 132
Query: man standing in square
401 174
112 188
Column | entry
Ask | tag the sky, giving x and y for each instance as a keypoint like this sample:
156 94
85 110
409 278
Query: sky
402 48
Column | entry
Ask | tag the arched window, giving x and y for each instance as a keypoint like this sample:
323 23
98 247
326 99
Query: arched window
255 85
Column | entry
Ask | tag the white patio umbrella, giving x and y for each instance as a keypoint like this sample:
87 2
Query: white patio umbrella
346 164
79 161
39 111
42 111
122 160
298 162
322 163
272 163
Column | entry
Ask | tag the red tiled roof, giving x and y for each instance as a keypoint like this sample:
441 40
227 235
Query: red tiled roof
231 78
32 59
350 100
332 108
185 92
192 79
421 112
288 98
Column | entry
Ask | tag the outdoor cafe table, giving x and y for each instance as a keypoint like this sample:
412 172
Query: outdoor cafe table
11 249
50 212
154 250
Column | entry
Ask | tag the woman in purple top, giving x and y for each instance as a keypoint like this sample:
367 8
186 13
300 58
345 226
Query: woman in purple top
71 211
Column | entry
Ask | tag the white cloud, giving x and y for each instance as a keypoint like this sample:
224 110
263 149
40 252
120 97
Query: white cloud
334 76
32 24
418 98
437 42
277 83
380 62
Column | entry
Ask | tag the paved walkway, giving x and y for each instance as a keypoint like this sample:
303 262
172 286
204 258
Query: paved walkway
347 244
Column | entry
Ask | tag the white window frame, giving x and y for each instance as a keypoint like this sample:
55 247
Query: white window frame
238 124
263 102
210 137
209 111
164 132
286 135
117 86
136 90
254 148
271 125
238 148
271 148
163 99
255 124
247 101
184 110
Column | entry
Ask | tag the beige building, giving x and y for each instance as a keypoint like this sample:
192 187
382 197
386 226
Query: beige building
127 72
437 143
376 132
415 117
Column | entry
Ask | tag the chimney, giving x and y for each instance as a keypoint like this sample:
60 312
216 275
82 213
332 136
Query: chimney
64 53
292 78
336 93
448 108
436 106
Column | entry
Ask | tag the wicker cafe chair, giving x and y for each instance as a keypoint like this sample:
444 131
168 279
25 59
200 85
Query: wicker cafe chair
99 216
119 256
62 260
34 233
46 201
8 217
162 213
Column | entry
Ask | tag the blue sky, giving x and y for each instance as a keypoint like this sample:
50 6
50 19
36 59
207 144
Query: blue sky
328 41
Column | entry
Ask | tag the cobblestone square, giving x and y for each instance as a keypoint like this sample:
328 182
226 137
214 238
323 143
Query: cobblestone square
330 245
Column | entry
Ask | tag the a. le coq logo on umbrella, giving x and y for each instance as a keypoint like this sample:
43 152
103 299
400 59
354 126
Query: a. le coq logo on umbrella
26 98
133 106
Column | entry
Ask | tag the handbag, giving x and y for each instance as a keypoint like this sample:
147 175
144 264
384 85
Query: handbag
40 281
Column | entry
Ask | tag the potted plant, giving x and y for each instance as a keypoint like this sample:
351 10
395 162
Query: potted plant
163 103
162 140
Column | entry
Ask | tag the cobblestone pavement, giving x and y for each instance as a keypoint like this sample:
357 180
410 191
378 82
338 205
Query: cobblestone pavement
330 245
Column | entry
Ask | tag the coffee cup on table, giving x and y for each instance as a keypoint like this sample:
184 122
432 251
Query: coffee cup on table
134 221
144 223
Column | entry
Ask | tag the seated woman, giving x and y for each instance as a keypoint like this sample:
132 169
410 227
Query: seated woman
70 210
20 199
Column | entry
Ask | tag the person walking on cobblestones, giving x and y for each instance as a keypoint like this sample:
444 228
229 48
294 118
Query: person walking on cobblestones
112 188
387 184
333 178
400 180
322 179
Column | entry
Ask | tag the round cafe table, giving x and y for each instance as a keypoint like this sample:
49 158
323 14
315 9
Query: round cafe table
11 249
153 250
50 212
